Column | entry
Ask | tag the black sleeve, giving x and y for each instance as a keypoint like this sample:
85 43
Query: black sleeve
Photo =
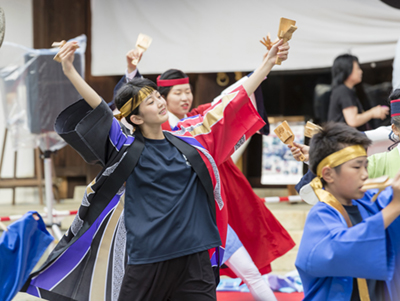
261 110
86 130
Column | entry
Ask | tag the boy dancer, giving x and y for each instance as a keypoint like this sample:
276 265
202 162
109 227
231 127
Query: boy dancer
347 238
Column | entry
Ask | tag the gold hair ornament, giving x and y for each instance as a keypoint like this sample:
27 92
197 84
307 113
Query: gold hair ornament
134 102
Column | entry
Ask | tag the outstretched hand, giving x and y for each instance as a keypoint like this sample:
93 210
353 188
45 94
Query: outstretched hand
280 50
66 54
298 149
130 56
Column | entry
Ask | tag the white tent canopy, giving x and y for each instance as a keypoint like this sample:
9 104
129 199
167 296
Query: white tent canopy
223 35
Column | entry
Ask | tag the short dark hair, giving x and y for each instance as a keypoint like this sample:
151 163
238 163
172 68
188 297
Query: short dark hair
170 74
342 68
333 137
395 95
129 90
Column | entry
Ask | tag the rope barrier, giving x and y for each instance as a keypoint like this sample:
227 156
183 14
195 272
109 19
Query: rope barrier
278 199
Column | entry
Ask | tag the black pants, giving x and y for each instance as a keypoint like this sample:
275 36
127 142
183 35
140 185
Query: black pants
184 278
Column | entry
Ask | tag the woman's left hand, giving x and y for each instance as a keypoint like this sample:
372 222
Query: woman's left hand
280 50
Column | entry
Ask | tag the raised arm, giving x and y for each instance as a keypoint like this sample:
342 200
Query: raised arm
131 56
278 50
66 55
219 130
131 72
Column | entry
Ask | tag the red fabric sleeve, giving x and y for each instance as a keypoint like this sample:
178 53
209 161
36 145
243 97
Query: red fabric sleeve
199 110
225 125
166 126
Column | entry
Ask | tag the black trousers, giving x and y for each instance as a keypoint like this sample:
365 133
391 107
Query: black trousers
188 277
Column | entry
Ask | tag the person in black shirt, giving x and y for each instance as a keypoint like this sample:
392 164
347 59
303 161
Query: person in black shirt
170 194
344 105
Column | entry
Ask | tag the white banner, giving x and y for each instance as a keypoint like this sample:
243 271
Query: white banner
223 36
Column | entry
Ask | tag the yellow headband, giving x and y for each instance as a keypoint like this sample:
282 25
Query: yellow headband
134 102
340 157
333 160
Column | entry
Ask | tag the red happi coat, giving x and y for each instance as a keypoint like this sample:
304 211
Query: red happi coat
210 130
260 232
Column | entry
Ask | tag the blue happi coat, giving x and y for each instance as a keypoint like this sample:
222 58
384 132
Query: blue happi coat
331 254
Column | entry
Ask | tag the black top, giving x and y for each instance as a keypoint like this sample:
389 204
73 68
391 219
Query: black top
167 213
343 97
169 209
376 288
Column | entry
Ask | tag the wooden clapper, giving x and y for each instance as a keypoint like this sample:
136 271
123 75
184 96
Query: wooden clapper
285 133
142 43
311 129
378 183
286 29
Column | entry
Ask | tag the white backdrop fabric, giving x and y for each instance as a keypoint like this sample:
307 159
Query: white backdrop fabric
223 35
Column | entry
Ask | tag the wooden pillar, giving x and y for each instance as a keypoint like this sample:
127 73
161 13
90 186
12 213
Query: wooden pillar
63 20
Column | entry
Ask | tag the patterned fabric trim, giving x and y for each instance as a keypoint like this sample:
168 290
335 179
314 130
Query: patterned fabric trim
119 258
217 188
240 142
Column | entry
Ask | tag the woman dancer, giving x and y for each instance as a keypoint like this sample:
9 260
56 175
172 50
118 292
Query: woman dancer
170 194
247 213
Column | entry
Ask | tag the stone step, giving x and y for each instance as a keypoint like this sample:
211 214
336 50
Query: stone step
285 263
292 216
